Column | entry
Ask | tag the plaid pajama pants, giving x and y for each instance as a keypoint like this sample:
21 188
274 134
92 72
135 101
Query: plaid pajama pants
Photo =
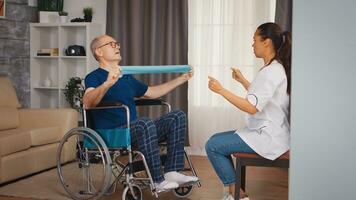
146 133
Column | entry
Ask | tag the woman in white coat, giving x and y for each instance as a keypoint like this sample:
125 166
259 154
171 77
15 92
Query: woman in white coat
267 106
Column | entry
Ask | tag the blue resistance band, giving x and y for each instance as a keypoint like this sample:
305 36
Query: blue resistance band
157 69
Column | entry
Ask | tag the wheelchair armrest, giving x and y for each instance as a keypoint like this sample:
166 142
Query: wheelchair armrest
153 102
106 105
150 102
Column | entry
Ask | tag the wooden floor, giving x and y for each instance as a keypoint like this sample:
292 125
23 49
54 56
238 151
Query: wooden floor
262 184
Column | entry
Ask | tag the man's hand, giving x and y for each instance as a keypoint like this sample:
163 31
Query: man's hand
214 85
113 76
188 75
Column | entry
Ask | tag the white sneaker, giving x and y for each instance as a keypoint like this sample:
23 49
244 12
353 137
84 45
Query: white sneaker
166 185
179 178
230 197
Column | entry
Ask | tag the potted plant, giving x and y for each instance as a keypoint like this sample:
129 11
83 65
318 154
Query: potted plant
63 16
74 92
48 10
88 14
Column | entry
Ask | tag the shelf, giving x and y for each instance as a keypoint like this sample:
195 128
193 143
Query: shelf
45 57
58 69
63 24
46 88
74 57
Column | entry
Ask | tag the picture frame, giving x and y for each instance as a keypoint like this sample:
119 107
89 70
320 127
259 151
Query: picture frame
2 8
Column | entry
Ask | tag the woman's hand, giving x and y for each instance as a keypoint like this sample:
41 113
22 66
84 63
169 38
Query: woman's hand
214 85
237 75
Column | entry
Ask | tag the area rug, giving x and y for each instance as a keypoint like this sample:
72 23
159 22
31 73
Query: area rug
45 185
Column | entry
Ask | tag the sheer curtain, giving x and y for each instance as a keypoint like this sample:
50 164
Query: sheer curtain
220 35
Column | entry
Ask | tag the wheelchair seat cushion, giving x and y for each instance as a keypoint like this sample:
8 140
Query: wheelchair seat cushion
113 138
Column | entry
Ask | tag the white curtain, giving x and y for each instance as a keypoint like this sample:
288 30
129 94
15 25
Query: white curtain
220 36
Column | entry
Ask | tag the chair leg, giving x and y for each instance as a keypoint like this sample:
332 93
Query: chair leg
238 178
243 177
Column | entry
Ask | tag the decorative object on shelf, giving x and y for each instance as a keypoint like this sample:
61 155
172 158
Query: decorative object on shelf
47 82
2 8
48 10
50 5
77 20
88 14
75 50
63 16
73 92
48 52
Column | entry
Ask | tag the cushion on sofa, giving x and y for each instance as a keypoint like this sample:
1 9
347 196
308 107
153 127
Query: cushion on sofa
9 118
8 95
14 140
47 135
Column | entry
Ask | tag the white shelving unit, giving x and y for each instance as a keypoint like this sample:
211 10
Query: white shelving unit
59 69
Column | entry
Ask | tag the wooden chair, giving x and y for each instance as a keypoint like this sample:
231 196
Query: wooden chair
252 159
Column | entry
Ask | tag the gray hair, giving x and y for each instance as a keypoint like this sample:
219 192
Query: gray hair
95 44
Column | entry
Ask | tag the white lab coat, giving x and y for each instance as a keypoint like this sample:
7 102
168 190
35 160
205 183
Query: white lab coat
267 131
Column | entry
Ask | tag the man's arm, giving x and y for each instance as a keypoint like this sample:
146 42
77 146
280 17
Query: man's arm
157 91
93 96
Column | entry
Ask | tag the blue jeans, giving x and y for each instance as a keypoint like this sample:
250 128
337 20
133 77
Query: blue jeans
219 149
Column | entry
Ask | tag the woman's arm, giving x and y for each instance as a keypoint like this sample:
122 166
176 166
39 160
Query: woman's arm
237 101
237 75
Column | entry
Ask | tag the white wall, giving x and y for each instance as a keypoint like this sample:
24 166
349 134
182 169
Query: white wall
323 149
75 9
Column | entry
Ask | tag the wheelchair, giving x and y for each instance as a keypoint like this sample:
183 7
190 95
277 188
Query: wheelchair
100 160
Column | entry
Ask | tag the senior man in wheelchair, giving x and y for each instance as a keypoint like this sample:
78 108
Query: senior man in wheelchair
107 84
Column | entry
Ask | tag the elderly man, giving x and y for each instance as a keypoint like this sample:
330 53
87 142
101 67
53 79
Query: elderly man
107 84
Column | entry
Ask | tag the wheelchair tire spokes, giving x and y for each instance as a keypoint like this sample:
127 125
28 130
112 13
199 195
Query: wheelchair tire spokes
88 176
86 171
183 191
132 192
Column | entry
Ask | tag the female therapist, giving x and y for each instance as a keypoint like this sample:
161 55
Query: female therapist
266 131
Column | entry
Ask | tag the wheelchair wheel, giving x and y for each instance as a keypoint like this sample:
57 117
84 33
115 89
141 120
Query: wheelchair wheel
183 191
84 173
135 194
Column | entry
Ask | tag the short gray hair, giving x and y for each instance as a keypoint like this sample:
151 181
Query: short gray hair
94 45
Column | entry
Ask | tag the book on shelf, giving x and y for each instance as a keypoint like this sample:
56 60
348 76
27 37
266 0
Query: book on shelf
48 52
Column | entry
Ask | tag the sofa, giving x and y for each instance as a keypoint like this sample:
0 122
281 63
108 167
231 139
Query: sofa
29 137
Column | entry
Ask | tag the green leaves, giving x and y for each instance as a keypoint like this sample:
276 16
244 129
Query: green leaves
74 92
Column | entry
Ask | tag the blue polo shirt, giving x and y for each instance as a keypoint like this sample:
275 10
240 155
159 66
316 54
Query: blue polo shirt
124 91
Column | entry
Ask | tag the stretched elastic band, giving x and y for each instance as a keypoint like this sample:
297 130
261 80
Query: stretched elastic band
156 69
